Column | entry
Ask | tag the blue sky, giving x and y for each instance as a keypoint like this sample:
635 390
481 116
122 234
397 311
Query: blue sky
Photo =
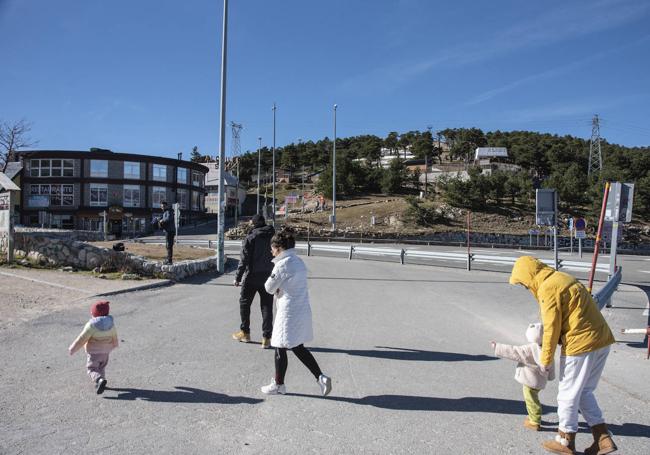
143 76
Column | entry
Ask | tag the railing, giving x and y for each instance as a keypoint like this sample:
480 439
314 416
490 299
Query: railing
399 254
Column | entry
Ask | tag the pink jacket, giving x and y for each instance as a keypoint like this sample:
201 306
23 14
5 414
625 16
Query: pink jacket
528 370
98 336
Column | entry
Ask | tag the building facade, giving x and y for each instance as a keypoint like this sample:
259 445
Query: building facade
234 194
77 190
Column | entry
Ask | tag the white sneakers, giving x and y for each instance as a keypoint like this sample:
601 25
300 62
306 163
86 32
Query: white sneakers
274 389
325 383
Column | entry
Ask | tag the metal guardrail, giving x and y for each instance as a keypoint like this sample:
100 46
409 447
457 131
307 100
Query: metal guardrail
401 254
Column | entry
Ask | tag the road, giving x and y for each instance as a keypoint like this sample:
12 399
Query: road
408 351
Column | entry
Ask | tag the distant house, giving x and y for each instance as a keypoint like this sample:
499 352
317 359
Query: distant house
235 195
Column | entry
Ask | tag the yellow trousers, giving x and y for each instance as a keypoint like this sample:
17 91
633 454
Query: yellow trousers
533 406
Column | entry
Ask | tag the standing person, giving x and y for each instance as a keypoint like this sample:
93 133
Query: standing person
292 326
99 338
256 263
168 224
571 318
527 372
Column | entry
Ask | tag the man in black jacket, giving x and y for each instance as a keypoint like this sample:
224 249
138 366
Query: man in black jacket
256 263
168 224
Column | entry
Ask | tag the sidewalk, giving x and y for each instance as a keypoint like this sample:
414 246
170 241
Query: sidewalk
26 294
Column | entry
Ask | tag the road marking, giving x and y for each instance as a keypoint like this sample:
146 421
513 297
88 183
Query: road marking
644 271
13 275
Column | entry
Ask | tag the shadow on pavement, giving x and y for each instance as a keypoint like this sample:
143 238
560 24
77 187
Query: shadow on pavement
180 395
644 343
389 280
413 403
409 354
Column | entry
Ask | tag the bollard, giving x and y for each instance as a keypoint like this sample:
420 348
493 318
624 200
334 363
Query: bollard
351 250
209 243
469 262
308 248
645 331
401 257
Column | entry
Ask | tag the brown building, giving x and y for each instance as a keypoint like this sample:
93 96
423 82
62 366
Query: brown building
71 189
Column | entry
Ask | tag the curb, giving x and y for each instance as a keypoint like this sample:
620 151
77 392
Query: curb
142 287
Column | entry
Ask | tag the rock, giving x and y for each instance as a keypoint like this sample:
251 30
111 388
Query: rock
68 269
102 276
131 276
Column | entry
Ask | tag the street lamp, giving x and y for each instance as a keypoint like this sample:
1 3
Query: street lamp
221 224
259 162
273 170
334 175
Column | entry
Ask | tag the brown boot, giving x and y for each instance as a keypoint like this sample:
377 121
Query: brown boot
531 425
564 443
603 443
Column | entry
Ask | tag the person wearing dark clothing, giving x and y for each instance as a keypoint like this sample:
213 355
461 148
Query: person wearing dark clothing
255 266
168 224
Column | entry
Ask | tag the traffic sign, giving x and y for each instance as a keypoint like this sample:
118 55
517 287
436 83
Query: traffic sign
581 234
580 224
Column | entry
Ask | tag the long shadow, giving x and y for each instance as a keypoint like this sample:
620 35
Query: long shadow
180 395
414 403
408 354
644 343
207 277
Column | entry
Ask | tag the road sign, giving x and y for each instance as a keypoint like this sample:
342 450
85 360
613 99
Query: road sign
545 207
580 224
619 202
581 234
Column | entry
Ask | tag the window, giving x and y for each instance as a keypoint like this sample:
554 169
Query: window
98 168
131 170
131 196
160 172
158 194
53 195
197 178
182 199
98 194
181 175
51 168
196 200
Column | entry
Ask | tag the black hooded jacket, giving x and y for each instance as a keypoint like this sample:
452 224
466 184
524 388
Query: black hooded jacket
256 258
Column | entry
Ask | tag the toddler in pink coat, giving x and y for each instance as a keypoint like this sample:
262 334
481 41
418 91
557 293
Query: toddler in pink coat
529 371
99 338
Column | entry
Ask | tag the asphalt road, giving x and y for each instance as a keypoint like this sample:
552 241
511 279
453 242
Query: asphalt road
407 348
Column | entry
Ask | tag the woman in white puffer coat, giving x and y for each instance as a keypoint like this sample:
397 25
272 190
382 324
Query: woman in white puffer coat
292 326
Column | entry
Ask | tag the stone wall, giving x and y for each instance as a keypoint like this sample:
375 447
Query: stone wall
43 249
65 234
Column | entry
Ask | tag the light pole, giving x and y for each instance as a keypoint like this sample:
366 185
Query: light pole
259 163
221 224
334 175
273 170
302 210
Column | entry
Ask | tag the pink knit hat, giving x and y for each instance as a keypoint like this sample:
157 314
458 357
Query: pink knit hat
100 308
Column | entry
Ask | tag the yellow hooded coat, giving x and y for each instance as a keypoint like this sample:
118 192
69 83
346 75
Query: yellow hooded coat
569 314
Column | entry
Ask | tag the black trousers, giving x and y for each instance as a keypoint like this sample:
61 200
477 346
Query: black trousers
303 354
169 240
250 287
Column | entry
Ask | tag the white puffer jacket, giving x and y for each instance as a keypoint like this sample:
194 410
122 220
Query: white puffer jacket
288 281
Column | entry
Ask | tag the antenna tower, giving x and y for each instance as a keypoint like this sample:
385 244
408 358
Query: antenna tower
236 143
595 155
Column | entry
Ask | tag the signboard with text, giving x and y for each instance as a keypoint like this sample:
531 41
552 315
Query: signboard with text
545 207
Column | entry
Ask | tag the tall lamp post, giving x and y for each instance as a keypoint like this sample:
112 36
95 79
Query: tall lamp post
334 175
273 170
259 163
221 224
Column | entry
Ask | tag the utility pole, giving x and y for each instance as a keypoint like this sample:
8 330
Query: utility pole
273 170
236 152
259 163
595 155
221 223
334 175
426 162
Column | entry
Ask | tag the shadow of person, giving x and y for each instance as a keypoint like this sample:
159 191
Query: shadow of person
414 403
180 395
392 353
630 429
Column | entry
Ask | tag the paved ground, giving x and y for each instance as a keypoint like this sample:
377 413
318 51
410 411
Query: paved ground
407 348
28 293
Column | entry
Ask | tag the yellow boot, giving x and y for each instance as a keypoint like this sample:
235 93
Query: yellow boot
564 443
603 443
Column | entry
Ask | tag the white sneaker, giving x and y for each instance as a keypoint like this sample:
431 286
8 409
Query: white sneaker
274 389
325 383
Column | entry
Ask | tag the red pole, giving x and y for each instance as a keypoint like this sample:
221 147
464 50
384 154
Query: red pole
598 237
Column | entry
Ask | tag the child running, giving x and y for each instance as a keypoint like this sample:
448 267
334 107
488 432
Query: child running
528 371
99 337
292 326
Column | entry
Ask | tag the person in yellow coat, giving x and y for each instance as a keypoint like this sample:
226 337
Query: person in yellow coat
572 319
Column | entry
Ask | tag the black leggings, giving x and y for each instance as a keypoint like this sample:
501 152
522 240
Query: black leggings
303 354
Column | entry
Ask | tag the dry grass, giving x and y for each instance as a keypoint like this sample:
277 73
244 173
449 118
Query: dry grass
159 253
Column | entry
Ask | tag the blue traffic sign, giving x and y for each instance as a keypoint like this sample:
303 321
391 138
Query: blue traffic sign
580 224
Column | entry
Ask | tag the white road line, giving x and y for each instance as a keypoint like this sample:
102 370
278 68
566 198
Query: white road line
45 282
644 271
